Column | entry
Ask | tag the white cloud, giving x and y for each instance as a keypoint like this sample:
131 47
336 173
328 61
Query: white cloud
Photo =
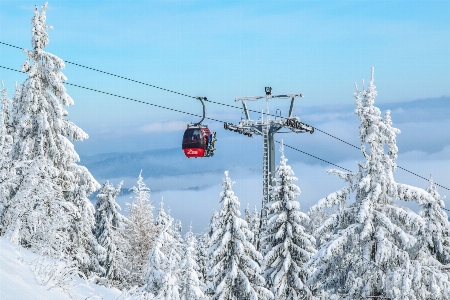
192 197
416 155
326 117
163 126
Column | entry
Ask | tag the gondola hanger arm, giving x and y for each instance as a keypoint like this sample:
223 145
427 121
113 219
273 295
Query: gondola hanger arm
203 104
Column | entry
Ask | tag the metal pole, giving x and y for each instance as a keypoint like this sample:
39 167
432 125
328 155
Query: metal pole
271 159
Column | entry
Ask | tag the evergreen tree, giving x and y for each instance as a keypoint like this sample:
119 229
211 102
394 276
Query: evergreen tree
437 226
189 280
288 246
201 249
212 222
5 148
161 279
317 218
6 111
248 215
234 268
255 225
253 221
109 226
47 190
368 254
425 276
178 227
5 130
174 230
140 231
163 218
86 249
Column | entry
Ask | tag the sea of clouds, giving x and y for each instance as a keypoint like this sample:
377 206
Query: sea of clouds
191 187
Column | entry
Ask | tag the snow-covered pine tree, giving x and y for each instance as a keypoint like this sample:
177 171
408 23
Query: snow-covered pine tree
5 148
178 227
161 275
287 246
256 224
109 231
437 226
177 230
201 249
212 222
86 249
5 119
248 215
174 230
234 270
317 218
163 218
48 190
253 221
190 284
140 231
426 276
368 252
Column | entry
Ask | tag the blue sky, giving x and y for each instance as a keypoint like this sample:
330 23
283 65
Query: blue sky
226 49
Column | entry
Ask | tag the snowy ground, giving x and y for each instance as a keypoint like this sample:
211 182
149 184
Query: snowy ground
18 280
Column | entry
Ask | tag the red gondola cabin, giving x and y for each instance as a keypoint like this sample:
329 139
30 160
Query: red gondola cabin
196 142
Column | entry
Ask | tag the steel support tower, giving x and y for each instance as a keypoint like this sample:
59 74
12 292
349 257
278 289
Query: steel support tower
267 126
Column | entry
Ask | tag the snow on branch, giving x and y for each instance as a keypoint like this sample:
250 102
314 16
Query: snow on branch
410 193
348 177
335 198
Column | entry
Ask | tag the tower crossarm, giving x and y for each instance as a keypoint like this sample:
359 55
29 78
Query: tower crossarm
296 126
247 130
256 126
254 98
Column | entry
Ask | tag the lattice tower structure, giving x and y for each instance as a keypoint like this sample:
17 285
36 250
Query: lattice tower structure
267 126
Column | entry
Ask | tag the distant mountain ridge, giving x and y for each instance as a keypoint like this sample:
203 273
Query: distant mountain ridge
110 165
234 150
402 112
158 163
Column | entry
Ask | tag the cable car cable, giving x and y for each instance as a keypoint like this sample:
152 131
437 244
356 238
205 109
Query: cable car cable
11 46
313 156
178 93
126 98
176 110
191 113
140 82
219 103
111 74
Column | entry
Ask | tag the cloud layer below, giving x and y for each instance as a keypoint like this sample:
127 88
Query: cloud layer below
191 187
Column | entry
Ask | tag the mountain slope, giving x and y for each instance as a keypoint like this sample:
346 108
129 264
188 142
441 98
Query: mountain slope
18 280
